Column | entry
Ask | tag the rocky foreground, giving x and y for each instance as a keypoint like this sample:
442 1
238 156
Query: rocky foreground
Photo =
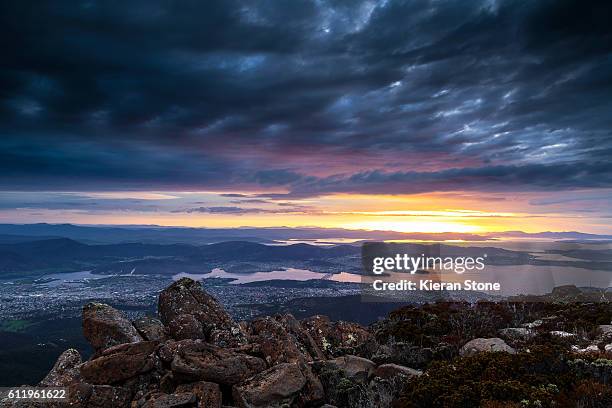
195 355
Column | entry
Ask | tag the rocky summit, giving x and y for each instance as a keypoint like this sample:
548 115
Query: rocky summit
438 355
196 355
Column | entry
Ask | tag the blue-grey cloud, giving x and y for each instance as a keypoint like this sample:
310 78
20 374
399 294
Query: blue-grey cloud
404 96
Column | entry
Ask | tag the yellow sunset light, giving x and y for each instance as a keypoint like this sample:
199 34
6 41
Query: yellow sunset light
414 226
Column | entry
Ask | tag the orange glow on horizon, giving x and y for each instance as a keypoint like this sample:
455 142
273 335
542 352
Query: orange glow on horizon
453 212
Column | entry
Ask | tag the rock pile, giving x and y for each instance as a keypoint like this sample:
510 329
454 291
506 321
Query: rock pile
196 355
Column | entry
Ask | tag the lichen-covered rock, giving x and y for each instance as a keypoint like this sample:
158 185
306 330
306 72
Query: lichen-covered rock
278 386
172 348
517 334
186 326
403 354
120 363
389 371
563 334
196 361
99 396
208 394
176 400
307 343
150 329
186 297
481 345
105 326
342 391
605 332
336 338
593 348
355 368
276 344
65 371
533 325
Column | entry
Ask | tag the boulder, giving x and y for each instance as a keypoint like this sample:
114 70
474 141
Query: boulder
276 344
403 354
171 348
389 371
150 329
533 325
202 361
186 327
208 394
99 396
176 400
563 334
186 297
605 332
119 363
336 338
65 371
104 326
485 345
342 391
593 348
307 343
355 368
278 386
517 333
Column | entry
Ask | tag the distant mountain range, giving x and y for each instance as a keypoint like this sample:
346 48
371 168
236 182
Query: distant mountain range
64 254
38 249
173 235
38 257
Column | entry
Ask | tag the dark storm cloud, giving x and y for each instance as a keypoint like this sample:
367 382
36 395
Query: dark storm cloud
528 177
233 95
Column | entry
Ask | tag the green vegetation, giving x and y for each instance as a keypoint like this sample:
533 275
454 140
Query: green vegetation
543 377
454 324
545 372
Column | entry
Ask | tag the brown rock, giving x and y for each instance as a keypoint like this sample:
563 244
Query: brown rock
167 384
355 368
186 297
208 394
104 326
405 354
186 327
99 396
278 386
336 338
120 363
276 344
389 371
293 326
203 361
176 400
65 371
150 329
171 348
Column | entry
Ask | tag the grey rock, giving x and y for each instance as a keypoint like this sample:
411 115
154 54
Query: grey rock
481 345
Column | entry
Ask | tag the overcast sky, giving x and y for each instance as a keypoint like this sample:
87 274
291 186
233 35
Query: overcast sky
294 100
